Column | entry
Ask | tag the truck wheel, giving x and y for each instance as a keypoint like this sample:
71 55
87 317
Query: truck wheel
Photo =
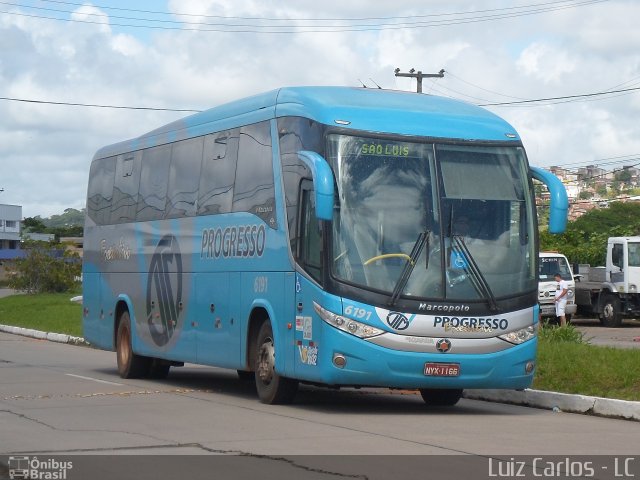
611 315
445 397
272 388
130 365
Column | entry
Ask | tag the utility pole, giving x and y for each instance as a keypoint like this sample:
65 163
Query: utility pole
419 76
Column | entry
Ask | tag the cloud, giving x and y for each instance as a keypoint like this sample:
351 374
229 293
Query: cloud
546 62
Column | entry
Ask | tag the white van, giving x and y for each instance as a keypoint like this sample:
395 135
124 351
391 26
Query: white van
550 264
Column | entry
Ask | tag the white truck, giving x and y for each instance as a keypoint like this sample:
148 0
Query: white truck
611 292
551 263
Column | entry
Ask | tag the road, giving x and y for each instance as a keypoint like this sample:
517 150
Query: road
64 399
626 336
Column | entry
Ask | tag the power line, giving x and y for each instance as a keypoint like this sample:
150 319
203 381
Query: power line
531 101
566 97
257 28
556 3
122 107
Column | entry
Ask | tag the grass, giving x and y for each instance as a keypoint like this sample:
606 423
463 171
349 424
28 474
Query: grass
566 363
50 312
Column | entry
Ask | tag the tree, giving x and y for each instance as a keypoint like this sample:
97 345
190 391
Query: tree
70 217
585 239
45 270
585 195
623 176
34 225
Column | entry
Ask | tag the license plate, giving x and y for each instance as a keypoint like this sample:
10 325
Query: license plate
545 309
441 369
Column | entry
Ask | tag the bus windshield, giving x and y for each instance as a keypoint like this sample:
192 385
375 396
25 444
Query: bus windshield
461 215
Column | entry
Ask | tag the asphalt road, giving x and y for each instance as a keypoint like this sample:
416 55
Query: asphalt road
626 336
64 398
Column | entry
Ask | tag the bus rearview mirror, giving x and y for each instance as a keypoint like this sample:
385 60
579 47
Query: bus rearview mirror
322 183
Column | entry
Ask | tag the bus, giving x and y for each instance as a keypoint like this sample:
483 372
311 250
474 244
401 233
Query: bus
315 235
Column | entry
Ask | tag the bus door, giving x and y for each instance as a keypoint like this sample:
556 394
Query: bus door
308 290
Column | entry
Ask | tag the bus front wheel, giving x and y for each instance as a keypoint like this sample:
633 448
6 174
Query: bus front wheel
272 388
130 365
445 397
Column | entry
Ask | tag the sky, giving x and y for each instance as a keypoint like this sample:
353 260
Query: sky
572 66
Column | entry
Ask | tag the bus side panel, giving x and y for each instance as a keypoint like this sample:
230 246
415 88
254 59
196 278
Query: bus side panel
162 290
267 291
94 324
217 325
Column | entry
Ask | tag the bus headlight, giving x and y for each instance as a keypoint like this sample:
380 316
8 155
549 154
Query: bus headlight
633 288
520 336
346 324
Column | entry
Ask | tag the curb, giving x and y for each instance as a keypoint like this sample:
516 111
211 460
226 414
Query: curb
561 402
558 402
50 336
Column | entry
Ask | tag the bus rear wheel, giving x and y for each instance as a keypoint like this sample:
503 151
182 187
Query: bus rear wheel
272 388
442 397
130 365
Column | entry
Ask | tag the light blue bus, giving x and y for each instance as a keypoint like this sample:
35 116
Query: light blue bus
324 235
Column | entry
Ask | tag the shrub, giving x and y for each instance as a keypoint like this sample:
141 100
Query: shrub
554 333
45 271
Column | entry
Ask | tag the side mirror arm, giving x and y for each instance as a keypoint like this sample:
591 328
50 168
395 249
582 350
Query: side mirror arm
323 182
559 202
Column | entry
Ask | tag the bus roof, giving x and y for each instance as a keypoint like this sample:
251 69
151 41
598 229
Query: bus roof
363 109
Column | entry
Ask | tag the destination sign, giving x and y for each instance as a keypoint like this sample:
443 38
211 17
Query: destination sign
386 149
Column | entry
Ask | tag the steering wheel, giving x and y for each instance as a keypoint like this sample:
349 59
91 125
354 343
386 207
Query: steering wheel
387 256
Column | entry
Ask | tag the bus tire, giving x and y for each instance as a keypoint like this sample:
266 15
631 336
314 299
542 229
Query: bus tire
272 388
246 376
158 369
611 315
441 397
130 365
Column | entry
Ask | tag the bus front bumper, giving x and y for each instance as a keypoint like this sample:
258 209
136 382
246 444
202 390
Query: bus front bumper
351 361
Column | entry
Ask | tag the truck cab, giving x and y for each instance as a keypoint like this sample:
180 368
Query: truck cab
549 264
623 264
611 292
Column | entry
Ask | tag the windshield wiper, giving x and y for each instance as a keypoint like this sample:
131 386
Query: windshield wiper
409 266
477 277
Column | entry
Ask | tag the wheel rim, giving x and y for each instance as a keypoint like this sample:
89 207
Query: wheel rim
123 347
608 311
266 361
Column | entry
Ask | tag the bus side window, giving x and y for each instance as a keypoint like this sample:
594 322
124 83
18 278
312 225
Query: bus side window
254 191
184 178
218 175
125 190
153 183
310 244
100 192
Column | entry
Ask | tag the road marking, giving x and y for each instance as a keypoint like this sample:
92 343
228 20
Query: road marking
93 379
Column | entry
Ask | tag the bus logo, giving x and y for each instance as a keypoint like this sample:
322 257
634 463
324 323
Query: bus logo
164 290
397 321
443 345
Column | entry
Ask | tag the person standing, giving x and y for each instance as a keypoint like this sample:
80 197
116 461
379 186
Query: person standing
562 288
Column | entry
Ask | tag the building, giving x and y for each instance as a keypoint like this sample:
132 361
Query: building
10 217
